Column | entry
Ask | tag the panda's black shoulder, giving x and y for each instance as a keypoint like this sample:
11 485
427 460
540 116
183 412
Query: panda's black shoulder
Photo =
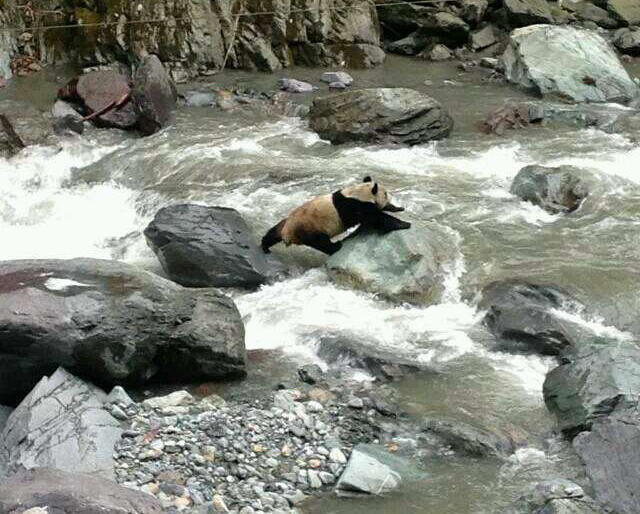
351 210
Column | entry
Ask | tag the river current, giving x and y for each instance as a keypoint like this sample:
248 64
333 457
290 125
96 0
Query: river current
93 196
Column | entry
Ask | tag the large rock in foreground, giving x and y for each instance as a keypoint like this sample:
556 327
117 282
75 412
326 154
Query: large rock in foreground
367 475
111 323
556 190
592 382
584 67
405 265
61 424
55 491
523 315
611 455
201 246
380 115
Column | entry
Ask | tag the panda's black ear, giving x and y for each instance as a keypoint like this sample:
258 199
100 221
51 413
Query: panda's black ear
374 189
367 179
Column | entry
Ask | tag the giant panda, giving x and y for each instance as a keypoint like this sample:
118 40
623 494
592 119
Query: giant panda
317 221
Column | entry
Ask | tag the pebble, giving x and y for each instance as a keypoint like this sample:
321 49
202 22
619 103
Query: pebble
356 403
118 413
314 479
151 488
218 504
336 455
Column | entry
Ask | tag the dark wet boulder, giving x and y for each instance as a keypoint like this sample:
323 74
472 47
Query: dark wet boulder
586 11
380 115
438 53
382 363
60 492
585 67
411 44
628 41
611 455
99 90
61 415
527 12
201 246
68 125
591 382
468 439
555 496
154 95
310 373
111 323
556 190
473 11
403 266
484 38
22 125
521 314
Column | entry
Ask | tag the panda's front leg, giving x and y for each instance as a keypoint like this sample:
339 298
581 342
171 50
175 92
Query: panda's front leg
387 223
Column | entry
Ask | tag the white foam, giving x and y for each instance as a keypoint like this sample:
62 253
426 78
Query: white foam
595 325
60 284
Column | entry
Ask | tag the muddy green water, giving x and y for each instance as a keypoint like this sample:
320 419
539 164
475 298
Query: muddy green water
93 196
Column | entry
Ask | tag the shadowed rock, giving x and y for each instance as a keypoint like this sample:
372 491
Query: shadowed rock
154 95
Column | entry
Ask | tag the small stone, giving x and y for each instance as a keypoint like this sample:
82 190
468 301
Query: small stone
218 504
338 85
150 455
271 462
182 503
327 478
258 448
314 463
118 413
356 403
295 498
337 76
175 399
119 395
321 396
284 400
314 479
336 455
214 400
313 406
151 488
310 373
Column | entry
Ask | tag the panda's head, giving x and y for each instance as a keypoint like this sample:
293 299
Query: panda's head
370 191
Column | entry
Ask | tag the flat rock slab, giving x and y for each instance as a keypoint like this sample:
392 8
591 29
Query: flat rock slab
380 115
585 68
200 246
60 492
405 265
611 455
366 474
61 424
592 382
113 324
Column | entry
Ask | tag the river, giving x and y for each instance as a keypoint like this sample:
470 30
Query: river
94 195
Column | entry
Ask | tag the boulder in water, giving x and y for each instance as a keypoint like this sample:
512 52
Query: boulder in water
61 424
611 453
68 125
405 265
591 382
522 314
380 115
560 189
468 439
22 125
337 76
44 490
527 12
201 246
585 67
154 95
111 323
367 475
295 86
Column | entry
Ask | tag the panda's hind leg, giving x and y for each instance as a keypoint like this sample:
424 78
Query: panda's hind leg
323 243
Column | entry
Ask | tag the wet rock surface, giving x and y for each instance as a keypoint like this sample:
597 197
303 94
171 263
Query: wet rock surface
201 246
42 490
111 323
61 424
557 496
153 95
528 12
611 454
586 69
556 190
382 115
469 440
26 123
593 381
405 265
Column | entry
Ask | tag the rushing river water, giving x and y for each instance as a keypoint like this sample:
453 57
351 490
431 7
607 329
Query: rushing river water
94 196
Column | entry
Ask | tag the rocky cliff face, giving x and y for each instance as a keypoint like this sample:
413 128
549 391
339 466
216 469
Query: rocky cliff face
196 36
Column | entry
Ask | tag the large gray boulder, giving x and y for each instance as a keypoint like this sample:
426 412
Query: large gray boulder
522 315
591 382
556 190
60 492
61 424
527 12
611 455
405 265
468 439
628 41
201 246
585 67
154 95
380 115
625 11
111 323
367 475
27 123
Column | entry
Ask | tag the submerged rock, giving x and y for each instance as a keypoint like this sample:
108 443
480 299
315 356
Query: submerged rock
154 95
337 76
201 246
584 68
365 474
405 265
592 382
295 86
611 454
523 314
556 190
43 490
111 323
468 439
380 115
61 424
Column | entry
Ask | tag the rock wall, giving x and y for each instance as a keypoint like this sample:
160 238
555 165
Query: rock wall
8 42
197 36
